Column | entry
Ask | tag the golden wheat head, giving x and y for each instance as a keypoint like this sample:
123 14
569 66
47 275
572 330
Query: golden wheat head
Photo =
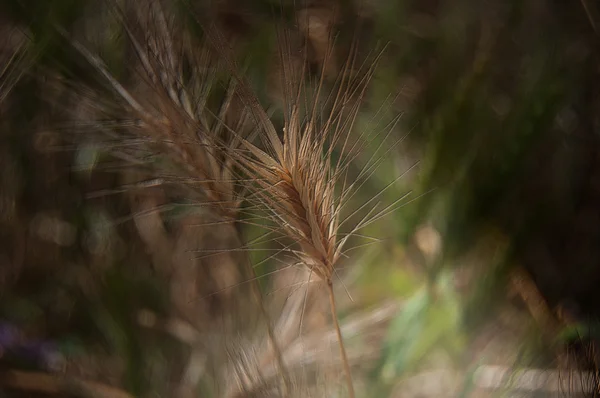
298 189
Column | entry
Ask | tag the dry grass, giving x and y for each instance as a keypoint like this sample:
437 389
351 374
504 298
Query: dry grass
173 119
169 114
235 162
232 161
295 179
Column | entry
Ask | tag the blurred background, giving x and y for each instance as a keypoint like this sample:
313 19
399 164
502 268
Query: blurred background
115 280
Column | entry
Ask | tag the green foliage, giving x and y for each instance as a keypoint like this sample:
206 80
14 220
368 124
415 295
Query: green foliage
427 319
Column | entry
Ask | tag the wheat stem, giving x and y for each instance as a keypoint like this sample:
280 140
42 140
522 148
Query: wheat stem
338 331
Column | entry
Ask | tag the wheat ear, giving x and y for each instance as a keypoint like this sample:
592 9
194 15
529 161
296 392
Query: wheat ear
298 190
296 177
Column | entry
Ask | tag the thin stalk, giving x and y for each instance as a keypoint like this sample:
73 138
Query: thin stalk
347 372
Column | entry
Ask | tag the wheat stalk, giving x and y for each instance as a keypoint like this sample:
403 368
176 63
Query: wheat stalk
175 119
170 121
298 189
296 178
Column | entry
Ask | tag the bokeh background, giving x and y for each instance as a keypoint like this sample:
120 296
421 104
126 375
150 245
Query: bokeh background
111 273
